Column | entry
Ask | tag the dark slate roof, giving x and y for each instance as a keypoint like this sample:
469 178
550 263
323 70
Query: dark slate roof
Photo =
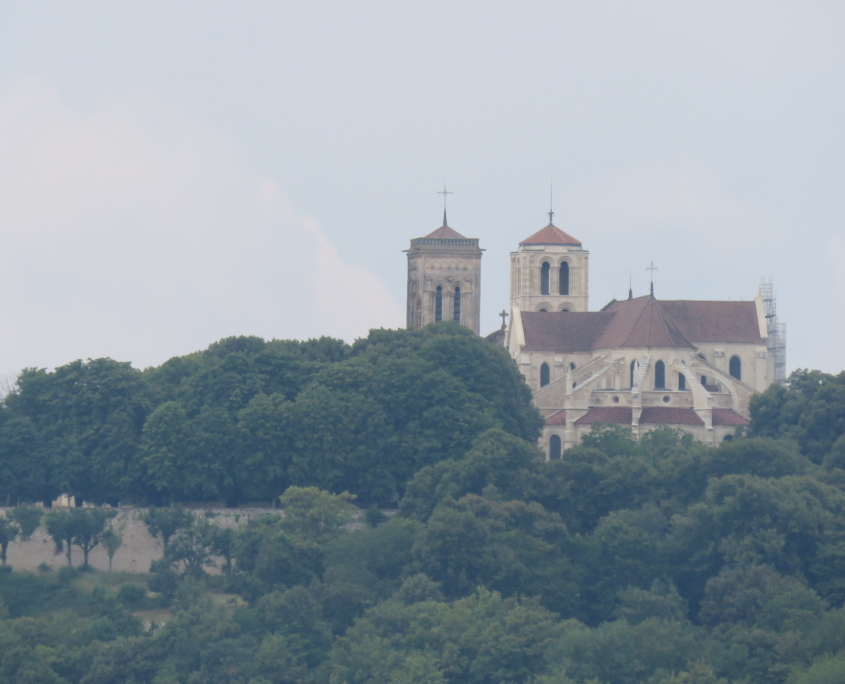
667 415
606 414
716 321
728 417
564 332
558 418
550 235
641 322
446 233
497 338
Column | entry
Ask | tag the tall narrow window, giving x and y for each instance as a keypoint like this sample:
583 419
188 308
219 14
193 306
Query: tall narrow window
545 278
456 315
659 375
554 448
544 375
633 366
682 382
438 304
564 278
735 367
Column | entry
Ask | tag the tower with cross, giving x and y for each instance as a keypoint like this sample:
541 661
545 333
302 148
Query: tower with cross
550 272
444 277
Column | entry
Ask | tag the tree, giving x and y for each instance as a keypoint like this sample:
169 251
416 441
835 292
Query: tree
164 450
165 522
89 416
112 540
28 519
315 515
194 547
8 532
60 528
82 527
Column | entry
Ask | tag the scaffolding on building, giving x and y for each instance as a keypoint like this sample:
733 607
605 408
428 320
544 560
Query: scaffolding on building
776 342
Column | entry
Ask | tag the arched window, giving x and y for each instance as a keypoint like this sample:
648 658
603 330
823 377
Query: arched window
544 375
564 278
457 313
659 375
554 448
682 382
545 278
438 304
633 366
735 367
544 310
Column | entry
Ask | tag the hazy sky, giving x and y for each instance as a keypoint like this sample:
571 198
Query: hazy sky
172 173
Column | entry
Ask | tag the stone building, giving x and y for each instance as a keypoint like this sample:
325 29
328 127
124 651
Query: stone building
640 362
444 279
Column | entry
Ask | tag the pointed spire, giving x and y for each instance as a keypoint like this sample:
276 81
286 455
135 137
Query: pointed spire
444 192
651 268
630 286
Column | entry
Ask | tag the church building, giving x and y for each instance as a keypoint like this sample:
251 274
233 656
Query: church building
641 362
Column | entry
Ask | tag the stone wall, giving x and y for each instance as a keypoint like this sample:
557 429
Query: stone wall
138 549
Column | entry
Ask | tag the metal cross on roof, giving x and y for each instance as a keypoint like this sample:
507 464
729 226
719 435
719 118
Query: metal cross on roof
504 315
652 268
444 192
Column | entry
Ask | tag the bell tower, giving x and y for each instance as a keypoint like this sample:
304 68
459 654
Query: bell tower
444 279
550 272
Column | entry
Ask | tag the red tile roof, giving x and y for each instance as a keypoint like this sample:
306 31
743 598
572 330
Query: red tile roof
446 233
728 417
667 415
564 332
621 415
641 322
550 235
708 321
558 418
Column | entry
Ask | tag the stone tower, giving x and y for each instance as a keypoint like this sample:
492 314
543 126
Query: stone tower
444 279
549 272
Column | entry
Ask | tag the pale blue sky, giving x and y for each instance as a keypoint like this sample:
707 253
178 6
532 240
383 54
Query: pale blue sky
174 172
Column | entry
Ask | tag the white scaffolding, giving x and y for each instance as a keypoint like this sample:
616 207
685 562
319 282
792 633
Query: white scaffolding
776 344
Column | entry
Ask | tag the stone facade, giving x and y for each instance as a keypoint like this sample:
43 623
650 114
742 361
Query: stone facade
444 279
642 362
549 272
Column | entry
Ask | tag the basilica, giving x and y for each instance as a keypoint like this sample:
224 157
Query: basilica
641 362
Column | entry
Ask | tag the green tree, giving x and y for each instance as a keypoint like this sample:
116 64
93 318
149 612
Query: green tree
28 519
82 527
315 515
165 522
480 638
8 532
112 540
89 417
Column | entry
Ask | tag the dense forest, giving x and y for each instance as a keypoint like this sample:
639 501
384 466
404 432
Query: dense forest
659 561
245 419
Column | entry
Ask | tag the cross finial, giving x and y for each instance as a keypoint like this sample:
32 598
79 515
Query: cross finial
551 211
652 268
444 192
504 315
